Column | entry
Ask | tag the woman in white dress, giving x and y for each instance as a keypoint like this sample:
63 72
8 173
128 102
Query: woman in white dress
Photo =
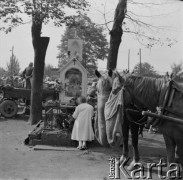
82 130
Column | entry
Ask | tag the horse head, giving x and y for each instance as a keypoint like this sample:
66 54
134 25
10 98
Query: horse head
105 82
119 81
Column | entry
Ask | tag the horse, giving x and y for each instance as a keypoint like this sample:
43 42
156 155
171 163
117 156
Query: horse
151 93
106 86
133 121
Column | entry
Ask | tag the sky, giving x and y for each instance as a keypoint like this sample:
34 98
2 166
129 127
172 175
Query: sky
166 17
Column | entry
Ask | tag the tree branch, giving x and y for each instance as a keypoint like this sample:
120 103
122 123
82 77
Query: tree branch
105 16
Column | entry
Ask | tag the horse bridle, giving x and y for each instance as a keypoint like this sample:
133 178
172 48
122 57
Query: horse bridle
133 108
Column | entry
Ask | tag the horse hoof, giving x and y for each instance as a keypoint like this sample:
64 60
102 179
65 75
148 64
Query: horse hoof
123 159
131 167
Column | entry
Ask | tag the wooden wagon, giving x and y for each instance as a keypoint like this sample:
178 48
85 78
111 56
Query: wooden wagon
12 97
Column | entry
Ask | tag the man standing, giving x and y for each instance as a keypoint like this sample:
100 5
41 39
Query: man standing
82 130
27 74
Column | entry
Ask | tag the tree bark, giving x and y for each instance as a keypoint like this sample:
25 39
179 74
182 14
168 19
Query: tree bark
116 34
40 45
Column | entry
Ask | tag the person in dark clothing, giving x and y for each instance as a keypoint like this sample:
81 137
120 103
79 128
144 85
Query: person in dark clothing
27 74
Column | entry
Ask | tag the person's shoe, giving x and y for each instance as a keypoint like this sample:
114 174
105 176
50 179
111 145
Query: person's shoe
84 148
79 147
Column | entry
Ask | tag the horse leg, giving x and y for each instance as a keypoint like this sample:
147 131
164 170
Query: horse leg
134 128
125 134
179 151
170 149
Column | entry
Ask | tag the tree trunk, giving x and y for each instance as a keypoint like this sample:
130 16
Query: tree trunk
116 34
40 45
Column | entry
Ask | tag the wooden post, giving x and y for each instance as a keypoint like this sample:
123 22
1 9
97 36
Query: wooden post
168 118
129 60
11 70
140 61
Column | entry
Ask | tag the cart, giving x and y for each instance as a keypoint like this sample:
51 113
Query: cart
173 104
13 98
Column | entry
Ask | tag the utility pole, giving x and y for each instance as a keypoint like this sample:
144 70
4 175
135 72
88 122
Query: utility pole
140 61
129 60
12 50
11 61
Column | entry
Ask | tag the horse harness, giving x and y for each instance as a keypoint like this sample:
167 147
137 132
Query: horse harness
165 109
133 108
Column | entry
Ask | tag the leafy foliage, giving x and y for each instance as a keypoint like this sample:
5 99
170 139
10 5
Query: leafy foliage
177 70
2 72
41 10
12 14
95 44
145 70
62 59
13 67
48 70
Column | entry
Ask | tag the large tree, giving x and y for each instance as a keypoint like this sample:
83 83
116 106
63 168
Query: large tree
2 72
40 11
95 46
48 70
126 21
145 69
116 34
13 67
177 70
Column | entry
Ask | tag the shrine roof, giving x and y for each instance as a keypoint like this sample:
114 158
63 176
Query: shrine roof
76 62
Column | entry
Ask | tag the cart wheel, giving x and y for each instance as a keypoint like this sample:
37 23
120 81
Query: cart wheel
8 108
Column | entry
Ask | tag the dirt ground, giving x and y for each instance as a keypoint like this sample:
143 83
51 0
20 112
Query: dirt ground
18 161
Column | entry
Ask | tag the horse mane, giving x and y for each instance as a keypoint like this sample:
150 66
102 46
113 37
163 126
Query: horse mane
150 90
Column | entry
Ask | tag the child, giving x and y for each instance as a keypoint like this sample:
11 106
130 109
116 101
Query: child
82 130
